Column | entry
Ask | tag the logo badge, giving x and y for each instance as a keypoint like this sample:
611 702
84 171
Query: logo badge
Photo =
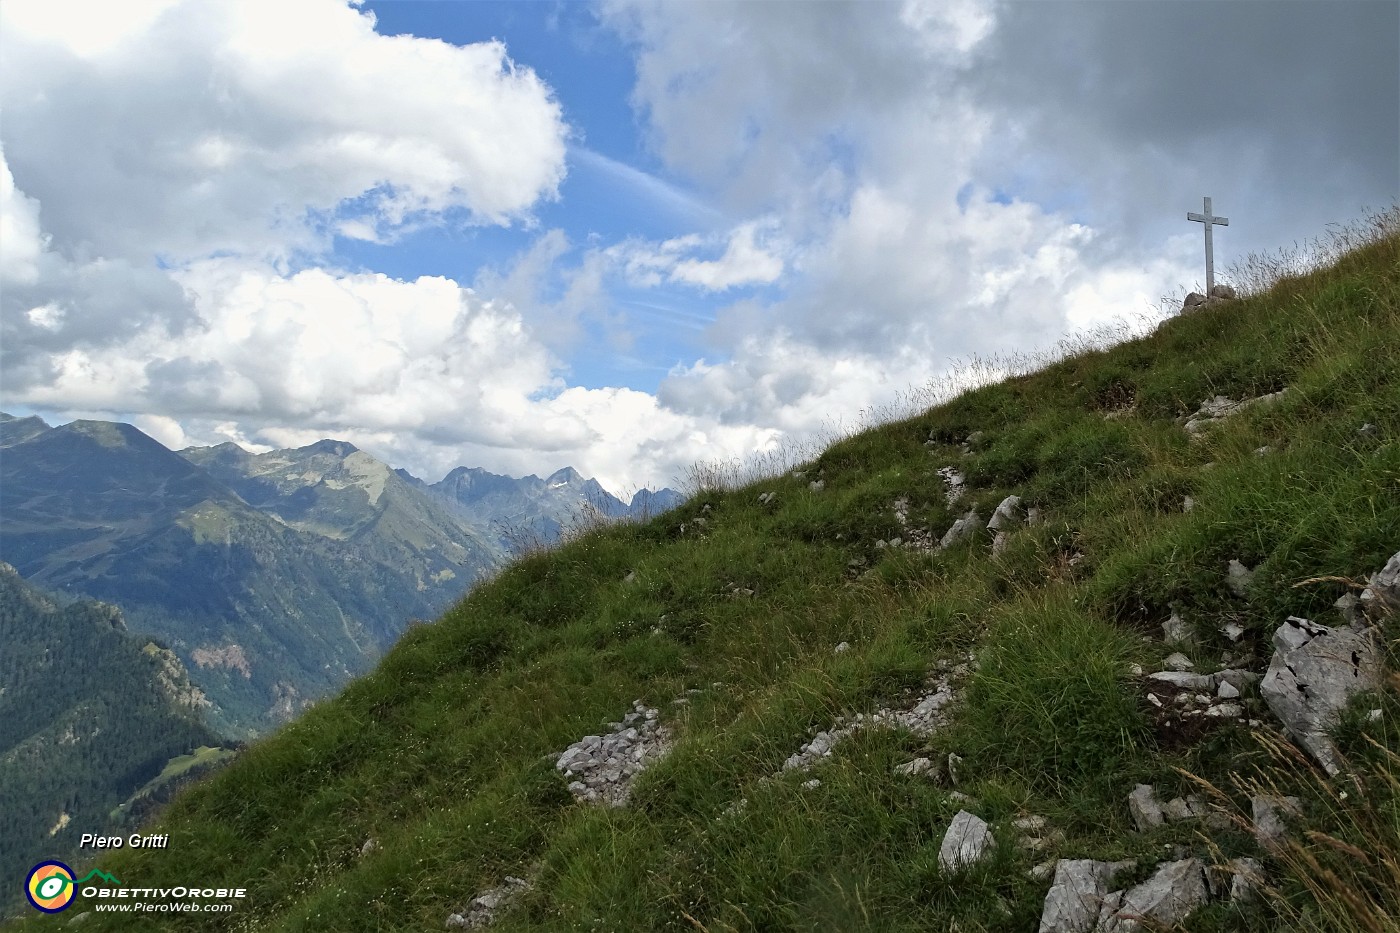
50 887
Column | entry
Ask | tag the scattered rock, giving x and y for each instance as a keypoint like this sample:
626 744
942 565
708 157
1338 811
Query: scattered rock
1143 805
1008 514
967 842
1173 891
1245 877
767 498
817 485
1382 596
922 719
1178 810
1227 691
482 910
1178 631
813 784
1232 630
1315 670
915 768
999 543
954 483
605 765
954 759
1236 880
1238 577
1223 292
1222 407
1185 680
1077 894
1368 430
963 528
1179 662
842 648
371 845
1187 504
1268 813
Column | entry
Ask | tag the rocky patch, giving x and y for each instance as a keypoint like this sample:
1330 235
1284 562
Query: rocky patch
923 719
482 910
602 767
1217 409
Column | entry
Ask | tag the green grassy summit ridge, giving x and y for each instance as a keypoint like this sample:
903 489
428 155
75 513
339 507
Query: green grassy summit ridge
432 780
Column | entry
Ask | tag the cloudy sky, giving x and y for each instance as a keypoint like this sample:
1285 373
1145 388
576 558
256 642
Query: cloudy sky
627 236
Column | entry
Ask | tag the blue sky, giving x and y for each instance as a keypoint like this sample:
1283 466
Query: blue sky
629 235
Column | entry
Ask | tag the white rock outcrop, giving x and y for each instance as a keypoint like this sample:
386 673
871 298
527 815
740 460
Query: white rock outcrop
967 841
1315 670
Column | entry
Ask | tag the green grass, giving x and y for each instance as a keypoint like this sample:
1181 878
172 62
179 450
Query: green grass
444 754
180 764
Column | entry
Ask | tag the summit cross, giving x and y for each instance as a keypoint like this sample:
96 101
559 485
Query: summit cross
1209 220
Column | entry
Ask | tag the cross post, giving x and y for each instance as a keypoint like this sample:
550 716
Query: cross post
1209 220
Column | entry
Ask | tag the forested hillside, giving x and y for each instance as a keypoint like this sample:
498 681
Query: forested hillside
89 714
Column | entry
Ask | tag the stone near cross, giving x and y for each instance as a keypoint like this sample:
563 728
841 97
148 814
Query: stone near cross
1209 220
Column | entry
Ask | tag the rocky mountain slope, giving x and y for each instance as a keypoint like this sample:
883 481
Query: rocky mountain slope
1097 648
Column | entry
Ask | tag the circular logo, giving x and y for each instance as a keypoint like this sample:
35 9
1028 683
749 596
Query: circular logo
49 886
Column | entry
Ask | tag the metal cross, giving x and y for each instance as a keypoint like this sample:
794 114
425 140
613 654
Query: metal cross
1209 220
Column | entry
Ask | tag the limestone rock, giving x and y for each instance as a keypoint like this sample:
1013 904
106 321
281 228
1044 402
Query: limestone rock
1268 813
1185 680
963 528
1221 407
1008 514
916 767
953 482
1223 292
1077 894
1314 672
1143 805
1173 891
1382 596
481 912
1238 577
604 766
1178 631
926 715
967 841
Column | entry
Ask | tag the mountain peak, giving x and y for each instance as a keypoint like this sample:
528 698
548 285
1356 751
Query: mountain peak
562 477
329 446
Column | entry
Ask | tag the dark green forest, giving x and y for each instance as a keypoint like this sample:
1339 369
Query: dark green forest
89 714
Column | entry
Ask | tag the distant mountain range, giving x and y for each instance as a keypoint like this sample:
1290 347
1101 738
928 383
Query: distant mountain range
273 577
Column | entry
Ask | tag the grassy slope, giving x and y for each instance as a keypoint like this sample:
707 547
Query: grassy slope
444 753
